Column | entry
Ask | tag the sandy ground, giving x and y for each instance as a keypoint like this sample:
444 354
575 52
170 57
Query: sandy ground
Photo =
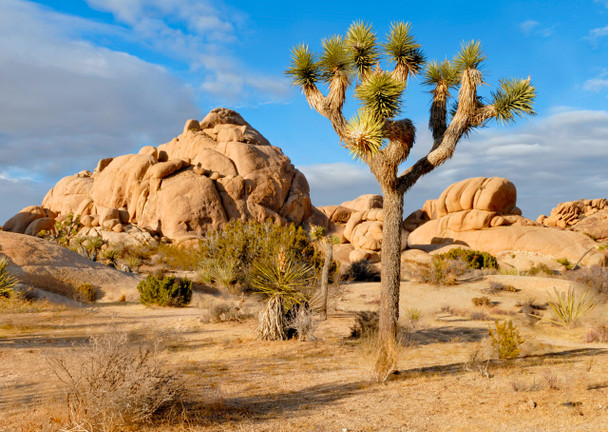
237 383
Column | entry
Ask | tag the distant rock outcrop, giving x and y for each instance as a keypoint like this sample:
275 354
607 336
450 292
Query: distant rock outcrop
481 213
217 170
586 216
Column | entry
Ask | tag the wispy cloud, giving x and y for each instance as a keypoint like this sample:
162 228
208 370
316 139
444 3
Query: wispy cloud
596 34
202 34
531 27
597 84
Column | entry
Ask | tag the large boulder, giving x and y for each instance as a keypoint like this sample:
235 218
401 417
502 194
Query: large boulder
45 265
481 214
586 216
218 169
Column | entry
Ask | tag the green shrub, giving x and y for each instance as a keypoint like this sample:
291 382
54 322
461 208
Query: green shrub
86 293
7 280
473 259
246 243
167 291
506 340
565 262
440 271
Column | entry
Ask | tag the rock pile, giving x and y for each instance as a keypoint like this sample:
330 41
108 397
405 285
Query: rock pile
218 169
586 216
481 213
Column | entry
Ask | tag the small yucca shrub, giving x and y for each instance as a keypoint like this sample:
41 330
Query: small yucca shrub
168 291
569 309
8 282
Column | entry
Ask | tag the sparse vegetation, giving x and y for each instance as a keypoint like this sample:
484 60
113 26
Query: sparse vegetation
440 271
86 293
8 282
506 340
379 360
539 270
365 326
168 291
112 384
595 278
565 262
568 308
482 301
361 271
597 333
474 259
111 255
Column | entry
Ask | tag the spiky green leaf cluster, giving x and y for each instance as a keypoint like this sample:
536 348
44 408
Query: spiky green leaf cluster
335 58
381 94
304 69
514 98
402 48
366 132
441 73
285 279
8 282
470 56
361 41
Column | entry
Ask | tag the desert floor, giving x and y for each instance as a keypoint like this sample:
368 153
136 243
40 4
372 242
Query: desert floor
237 383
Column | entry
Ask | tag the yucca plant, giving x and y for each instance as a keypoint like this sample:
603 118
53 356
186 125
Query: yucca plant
568 308
8 282
111 256
376 136
283 281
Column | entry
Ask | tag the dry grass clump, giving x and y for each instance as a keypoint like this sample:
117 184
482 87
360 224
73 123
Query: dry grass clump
224 310
365 326
440 271
301 321
496 287
482 301
86 293
597 333
112 384
595 278
539 270
379 359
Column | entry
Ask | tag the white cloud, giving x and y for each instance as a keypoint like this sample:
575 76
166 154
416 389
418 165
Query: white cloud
597 84
596 34
527 26
199 33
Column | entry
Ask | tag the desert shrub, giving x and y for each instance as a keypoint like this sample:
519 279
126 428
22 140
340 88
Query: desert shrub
506 340
64 231
565 262
286 283
133 262
595 278
366 324
440 271
539 270
568 308
112 384
111 255
300 321
167 291
496 287
246 243
361 271
413 314
224 310
179 257
225 273
8 282
86 293
379 359
481 301
474 259
597 333
531 310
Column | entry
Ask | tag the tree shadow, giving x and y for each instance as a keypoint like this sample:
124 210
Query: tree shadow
447 334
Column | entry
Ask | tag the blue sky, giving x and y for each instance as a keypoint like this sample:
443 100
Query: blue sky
83 80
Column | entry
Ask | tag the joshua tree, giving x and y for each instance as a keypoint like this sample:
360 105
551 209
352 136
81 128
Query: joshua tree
382 141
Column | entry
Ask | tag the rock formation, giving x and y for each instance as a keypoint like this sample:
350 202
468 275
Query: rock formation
43 264
586 216
217 170
482 214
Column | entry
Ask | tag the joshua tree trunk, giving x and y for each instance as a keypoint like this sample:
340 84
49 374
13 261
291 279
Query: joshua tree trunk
391 263
325 277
